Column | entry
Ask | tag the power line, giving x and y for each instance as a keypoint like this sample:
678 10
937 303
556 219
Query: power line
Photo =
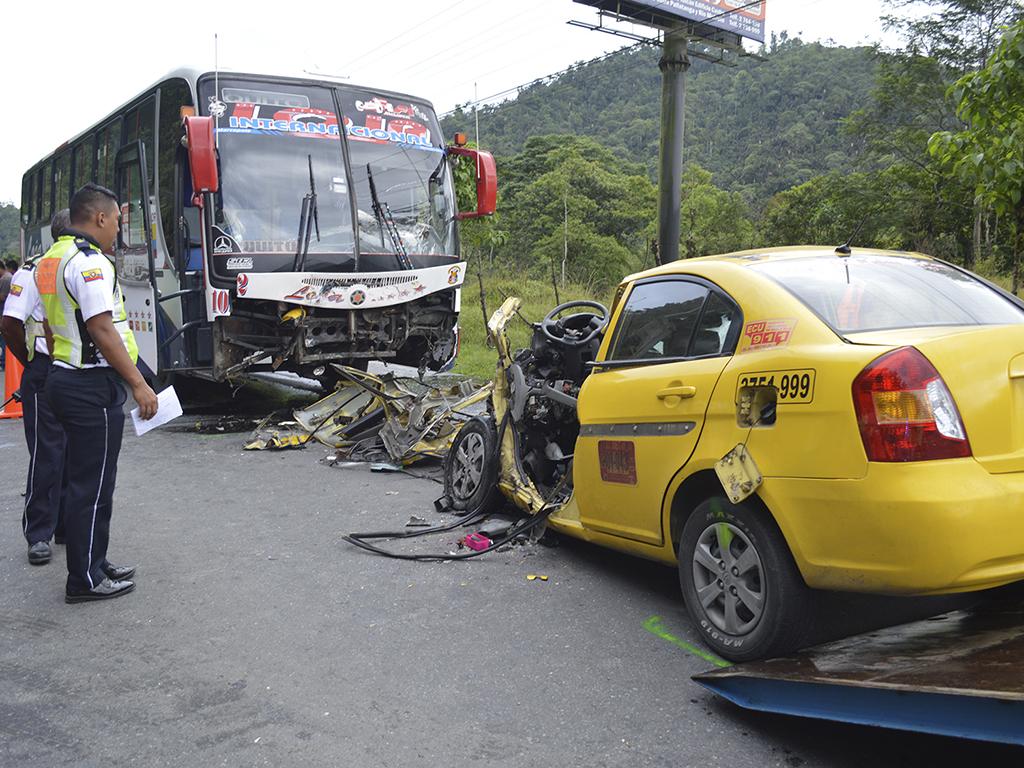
400 35
461 49
554 75
540 80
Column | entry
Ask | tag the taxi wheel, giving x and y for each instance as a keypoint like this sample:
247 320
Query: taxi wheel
741 586
471 469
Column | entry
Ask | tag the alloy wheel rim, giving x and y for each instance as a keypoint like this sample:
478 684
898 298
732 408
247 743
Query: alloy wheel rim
469 466
729 579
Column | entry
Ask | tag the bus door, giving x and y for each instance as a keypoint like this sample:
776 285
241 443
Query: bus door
197 333
134 258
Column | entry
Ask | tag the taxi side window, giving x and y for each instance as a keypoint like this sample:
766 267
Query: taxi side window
659 320
717 328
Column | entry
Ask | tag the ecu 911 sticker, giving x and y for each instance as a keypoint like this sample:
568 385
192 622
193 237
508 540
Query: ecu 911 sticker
793 386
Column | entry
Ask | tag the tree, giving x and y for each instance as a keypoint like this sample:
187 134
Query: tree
959 34
567 197
909 103
759 127
989 152
712 220
10 232
476 236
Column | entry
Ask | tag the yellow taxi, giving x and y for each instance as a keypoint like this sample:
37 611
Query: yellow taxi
784 419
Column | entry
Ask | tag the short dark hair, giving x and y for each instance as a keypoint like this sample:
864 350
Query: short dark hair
88 200
12 264
61 220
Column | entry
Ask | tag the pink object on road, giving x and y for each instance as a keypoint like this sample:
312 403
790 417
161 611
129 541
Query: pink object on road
477 541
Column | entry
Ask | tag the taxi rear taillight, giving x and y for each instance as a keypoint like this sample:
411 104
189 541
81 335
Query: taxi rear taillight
905 412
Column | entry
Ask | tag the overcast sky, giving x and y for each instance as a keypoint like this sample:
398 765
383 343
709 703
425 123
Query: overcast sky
68 64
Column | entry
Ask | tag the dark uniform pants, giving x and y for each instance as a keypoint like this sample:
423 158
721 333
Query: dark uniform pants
88 404
45 437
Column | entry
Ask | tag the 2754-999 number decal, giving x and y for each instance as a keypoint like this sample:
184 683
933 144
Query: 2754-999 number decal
794 386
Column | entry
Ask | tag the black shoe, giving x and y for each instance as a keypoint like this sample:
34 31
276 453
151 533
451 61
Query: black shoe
58 540
118 572
39 553
105 590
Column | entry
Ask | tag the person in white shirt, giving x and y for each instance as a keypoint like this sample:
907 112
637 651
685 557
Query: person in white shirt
22 329
94 354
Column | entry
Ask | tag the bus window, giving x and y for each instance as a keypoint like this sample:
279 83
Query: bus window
107 143
43 194
61 181
396 153
133 224
264 175
138 124
174 95
83 156
26 200
194 261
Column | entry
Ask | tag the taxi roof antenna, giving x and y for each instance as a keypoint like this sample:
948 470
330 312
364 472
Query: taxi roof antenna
844 249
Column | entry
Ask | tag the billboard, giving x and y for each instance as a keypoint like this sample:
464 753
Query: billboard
740 17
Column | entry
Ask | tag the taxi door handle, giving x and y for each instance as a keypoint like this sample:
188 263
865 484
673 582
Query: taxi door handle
677 390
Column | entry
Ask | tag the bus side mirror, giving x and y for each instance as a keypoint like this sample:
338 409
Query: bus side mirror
486 182
202 154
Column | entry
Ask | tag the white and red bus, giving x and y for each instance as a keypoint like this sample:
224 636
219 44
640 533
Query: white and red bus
274 222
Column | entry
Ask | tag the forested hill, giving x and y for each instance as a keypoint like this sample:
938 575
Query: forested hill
760 127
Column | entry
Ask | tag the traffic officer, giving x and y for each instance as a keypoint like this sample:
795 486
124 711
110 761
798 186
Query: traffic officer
22 329
94 354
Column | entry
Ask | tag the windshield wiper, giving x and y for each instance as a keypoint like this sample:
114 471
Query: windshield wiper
386 222
309 217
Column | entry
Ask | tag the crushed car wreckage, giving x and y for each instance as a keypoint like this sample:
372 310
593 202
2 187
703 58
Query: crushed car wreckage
372 417
532 416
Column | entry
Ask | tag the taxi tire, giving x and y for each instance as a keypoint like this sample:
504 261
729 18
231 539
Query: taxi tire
486 497
784 619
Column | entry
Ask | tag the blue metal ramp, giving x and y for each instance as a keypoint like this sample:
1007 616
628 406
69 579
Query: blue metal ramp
959 674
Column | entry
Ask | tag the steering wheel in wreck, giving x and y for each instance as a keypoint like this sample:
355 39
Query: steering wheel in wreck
578 329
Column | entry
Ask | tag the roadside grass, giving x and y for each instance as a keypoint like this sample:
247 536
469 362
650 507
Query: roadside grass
988 269
476 358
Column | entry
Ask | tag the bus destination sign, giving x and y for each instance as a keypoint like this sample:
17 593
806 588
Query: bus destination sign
740 17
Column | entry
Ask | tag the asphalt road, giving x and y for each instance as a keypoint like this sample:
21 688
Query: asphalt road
257 637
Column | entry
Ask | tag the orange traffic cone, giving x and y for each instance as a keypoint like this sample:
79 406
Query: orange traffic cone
12 382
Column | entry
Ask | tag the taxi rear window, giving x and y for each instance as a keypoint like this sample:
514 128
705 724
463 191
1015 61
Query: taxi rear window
876 293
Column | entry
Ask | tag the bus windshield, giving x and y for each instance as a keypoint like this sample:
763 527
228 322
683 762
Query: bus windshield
404 199
270 133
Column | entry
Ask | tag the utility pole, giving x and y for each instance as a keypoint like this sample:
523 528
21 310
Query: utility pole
565 239
695 28
673 65
476 115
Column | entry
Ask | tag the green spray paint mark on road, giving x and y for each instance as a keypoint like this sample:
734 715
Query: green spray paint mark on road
653 625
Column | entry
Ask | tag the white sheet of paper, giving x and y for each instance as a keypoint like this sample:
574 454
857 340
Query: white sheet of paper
168 407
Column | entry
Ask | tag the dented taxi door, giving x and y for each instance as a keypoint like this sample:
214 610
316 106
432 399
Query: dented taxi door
641 415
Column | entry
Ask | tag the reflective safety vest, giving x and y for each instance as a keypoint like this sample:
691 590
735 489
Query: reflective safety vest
71 341
33 328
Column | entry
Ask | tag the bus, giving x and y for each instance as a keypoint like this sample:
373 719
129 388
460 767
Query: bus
274 223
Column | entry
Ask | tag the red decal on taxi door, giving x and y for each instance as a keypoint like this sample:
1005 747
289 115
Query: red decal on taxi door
617 459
